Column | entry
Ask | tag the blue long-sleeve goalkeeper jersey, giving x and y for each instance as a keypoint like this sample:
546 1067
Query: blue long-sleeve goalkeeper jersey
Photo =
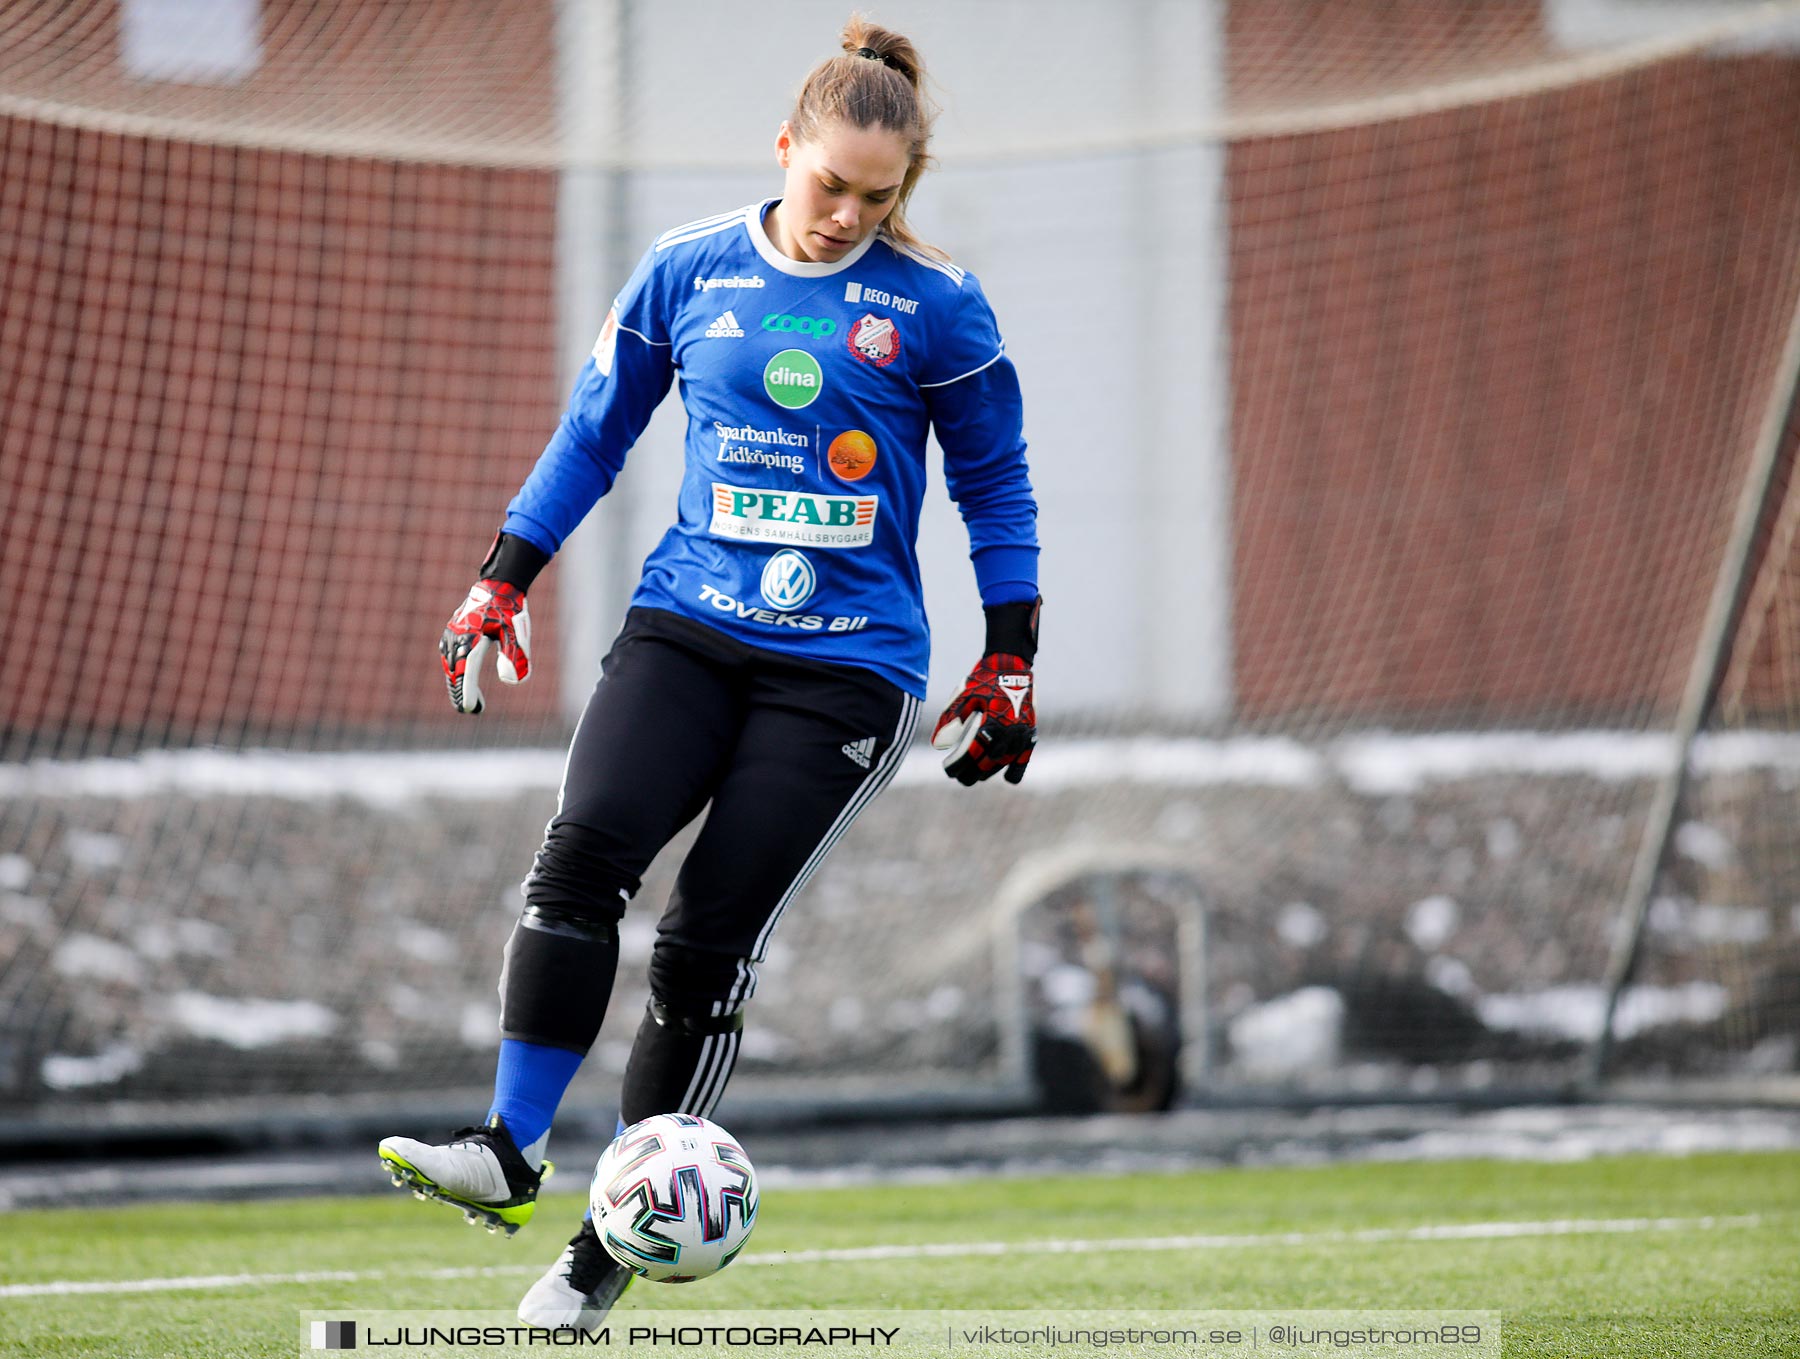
809 391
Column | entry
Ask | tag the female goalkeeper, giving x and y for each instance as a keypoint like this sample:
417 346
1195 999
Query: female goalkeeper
771 668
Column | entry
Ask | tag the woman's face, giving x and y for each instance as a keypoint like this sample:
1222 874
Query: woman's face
839 187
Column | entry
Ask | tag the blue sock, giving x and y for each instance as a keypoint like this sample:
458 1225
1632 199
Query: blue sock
529 1081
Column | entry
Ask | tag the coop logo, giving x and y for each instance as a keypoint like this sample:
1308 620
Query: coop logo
783 324
789 580
792 518
334 1335
876 340
706 285
793 379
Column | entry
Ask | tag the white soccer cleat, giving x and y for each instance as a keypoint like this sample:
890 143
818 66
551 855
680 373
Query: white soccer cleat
479 1171
579 1289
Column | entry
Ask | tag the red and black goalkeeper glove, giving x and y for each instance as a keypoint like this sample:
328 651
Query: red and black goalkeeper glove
492 614
992 724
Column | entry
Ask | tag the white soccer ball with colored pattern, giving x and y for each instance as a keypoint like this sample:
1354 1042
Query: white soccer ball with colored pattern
674 1198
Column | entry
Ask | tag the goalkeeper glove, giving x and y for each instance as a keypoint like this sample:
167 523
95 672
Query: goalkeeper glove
493 613
992 724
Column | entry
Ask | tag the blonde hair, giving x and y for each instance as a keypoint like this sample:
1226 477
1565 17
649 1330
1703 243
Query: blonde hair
878 82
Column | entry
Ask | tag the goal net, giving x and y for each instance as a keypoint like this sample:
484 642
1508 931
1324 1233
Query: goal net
1410 391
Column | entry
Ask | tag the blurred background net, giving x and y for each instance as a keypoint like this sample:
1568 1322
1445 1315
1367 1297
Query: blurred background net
1411 397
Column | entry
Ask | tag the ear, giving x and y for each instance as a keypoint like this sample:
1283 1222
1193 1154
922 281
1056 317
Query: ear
784 145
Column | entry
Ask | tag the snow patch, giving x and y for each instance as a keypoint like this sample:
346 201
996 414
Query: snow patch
31 912
1391 764
113 1064
423 942
1301 924
1703 844
249 1024
637 936
202 937
163 939
1069 986
1431 922
1301 1031
844 1015
1730 924
1736 752
386 779
1503 839
1179 821
15 872
1254 761
944 1003
1688 920
479 1025
88 955
94 851
1577 1011
1378 763
380 1054
1450 975
760 1045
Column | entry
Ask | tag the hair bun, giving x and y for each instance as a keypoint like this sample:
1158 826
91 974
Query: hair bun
872 42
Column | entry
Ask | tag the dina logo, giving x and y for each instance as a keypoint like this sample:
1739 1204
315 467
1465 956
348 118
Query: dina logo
789 580
793 379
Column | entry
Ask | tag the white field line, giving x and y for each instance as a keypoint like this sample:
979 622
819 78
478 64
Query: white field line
1451 1231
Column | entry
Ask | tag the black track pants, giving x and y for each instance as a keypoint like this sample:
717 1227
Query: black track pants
786 752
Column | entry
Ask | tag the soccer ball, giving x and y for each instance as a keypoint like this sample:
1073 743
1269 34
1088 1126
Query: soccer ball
674 1198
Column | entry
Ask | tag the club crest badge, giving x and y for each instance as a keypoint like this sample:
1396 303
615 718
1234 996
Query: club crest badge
876 340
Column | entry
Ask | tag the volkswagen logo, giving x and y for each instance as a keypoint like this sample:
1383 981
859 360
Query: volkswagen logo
788 580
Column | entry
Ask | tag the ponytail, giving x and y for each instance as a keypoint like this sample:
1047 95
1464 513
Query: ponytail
878 82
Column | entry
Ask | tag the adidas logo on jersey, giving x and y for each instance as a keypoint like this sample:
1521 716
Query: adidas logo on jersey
725 328
861 751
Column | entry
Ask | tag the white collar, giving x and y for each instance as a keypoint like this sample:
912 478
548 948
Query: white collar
759 237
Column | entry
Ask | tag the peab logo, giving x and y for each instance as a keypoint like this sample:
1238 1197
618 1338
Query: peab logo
789 580
759 514
793 379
